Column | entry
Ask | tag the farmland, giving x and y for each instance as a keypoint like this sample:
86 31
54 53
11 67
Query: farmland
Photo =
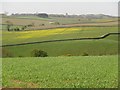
107 46
44 23
70 64
104 47
61 72
58 33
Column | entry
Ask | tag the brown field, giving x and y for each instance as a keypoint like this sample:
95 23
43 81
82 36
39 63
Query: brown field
63 23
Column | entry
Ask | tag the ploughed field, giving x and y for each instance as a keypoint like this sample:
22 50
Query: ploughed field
61 72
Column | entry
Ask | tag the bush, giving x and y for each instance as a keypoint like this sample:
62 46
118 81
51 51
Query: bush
23 27
39 53
20 56
42 24
85 54
16 29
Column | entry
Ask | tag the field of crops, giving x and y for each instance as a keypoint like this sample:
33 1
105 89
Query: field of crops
65 72
53 34
107 46
70 64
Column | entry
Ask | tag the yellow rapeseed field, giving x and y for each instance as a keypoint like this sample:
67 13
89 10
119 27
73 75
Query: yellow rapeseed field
43 33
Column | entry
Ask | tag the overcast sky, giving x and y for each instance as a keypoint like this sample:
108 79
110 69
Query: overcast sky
109 8
59 0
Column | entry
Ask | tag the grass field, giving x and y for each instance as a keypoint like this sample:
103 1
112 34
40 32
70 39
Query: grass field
77 48
61 72
107 46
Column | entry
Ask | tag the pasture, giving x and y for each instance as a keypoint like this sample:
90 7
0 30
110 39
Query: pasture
61 72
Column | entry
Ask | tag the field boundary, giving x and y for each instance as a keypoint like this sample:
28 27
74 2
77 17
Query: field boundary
63 26
46 19
60 40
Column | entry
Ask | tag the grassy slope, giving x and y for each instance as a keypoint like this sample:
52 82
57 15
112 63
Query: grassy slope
66 72
97 47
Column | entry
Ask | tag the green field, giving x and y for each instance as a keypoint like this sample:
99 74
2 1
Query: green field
77 48
70 64
61 72
107 46
53 34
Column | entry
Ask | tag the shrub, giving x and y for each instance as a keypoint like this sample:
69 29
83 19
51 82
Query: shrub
31 25
39 53
20 56
16 29
23 27
85 54
42 24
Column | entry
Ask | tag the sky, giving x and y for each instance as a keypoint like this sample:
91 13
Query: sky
60 7
59 0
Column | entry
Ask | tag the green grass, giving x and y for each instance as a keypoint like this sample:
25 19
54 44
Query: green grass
61 72
107 46
0 71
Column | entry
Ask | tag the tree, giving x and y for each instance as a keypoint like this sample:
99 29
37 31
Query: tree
16 29
23 27
42 15
9 24
38 53
85 54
